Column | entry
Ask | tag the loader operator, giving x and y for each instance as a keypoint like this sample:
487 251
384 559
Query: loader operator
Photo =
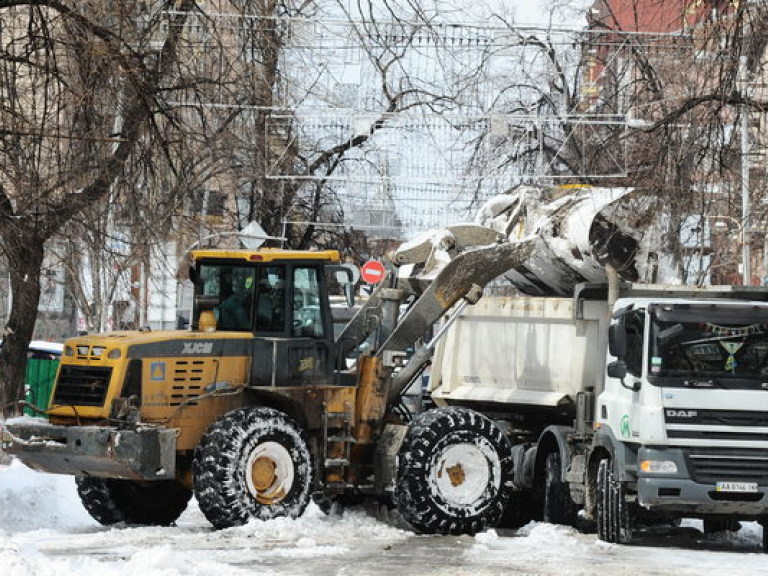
234 309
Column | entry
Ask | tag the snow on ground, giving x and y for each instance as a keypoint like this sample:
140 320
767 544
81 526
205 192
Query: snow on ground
44 530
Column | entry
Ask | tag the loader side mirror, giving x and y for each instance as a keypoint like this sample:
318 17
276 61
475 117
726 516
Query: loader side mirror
617 340
349 294
347 275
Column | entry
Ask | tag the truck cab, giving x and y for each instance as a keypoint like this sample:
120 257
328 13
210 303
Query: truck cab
685 404
640 409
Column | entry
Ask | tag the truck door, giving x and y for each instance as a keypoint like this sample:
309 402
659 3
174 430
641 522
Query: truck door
619 402
293 344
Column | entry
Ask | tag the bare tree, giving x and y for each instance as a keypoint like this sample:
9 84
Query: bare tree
78 94
629 104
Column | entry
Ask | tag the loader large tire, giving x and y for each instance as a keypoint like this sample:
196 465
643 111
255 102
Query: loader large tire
452 473
558 508
252 463
614 515
110 501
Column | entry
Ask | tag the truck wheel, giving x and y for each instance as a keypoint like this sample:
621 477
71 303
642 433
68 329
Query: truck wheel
252 463
558 506
110 501
452 472
522 508
614 522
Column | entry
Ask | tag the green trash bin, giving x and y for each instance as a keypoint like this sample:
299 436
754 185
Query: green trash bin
41 374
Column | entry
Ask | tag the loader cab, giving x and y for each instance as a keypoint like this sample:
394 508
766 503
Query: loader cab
279 298
271 292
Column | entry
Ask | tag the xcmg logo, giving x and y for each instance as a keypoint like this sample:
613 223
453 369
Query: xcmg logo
197 348
672 413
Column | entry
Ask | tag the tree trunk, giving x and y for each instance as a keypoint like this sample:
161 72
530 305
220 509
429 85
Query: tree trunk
25 260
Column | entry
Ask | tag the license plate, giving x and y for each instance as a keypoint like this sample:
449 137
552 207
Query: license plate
736 486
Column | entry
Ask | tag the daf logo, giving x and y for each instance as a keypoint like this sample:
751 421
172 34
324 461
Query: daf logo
682 413
197 348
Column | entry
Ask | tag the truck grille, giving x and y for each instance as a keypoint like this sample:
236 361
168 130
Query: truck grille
707 465
715 417
82 385
733 425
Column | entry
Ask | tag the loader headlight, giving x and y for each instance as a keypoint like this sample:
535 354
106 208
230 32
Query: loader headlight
658 466
69 351
114 354
97 350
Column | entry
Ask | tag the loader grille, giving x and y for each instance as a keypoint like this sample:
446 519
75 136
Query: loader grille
708 466
82 385
188 377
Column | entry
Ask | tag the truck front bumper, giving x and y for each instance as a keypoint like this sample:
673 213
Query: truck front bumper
684 493
107 452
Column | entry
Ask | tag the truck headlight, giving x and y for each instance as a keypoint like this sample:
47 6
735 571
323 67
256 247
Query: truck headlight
658 466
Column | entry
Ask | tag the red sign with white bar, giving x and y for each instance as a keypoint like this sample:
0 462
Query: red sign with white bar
373 272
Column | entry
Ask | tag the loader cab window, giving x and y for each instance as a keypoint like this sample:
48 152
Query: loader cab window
270 299
307 312
232 289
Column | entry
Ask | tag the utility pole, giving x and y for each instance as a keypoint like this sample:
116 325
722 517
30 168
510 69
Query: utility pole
746 269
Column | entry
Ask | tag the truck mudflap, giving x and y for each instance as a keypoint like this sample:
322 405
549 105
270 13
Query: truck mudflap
108 452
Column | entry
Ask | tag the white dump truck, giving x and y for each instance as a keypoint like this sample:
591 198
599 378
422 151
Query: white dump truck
642 411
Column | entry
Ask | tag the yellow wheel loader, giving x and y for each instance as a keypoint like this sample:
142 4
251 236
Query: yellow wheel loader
254 408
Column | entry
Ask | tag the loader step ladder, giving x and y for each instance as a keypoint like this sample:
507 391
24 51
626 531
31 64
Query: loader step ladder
337 429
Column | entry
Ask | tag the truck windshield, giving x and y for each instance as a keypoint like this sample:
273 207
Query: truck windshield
708 346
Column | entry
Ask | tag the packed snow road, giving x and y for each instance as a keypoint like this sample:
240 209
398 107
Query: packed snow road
44 530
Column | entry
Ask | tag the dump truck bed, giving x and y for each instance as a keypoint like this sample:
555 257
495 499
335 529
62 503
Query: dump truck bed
521 351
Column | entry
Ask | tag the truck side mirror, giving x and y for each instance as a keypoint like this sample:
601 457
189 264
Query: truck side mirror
617 340
618 369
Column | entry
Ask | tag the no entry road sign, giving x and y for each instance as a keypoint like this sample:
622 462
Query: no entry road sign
372 272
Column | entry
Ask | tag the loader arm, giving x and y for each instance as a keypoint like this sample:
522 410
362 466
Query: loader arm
542 242
412 270
437 272
465 275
